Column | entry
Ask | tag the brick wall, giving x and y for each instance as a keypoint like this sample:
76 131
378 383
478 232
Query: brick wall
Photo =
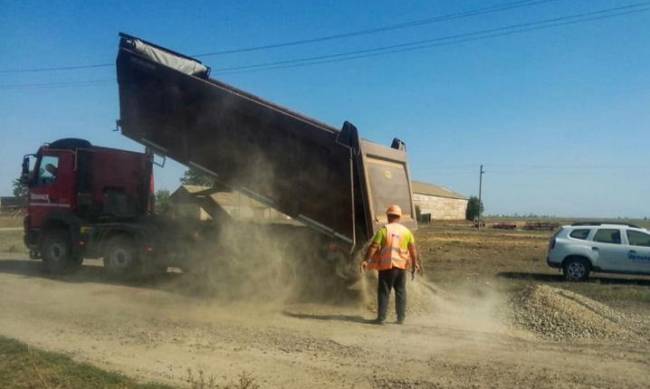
441 208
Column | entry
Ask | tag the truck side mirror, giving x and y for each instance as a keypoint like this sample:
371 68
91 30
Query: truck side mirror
24 175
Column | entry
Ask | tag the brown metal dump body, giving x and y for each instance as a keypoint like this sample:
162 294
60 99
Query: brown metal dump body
327 178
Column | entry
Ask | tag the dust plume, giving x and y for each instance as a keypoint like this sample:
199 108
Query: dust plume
262 260
464 307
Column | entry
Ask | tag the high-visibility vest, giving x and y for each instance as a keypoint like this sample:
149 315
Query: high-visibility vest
391 254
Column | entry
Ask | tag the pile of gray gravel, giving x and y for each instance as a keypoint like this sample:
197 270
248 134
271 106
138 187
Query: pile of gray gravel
560 314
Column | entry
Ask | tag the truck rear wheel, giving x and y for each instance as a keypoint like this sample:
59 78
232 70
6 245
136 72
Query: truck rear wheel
120 256
57 253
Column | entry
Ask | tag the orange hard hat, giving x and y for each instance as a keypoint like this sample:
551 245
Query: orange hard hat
394 210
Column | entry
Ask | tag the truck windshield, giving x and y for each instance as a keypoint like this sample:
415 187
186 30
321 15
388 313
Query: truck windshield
47 170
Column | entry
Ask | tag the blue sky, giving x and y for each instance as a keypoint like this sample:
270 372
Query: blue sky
558 116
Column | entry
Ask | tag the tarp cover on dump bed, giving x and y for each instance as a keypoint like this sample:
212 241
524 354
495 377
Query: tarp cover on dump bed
302 167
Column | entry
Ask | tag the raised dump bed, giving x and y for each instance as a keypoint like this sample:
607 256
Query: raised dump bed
329 179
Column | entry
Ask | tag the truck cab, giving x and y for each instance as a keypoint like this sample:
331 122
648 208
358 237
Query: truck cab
78 192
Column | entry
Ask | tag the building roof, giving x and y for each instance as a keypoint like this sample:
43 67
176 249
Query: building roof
222 198
435 190
192 189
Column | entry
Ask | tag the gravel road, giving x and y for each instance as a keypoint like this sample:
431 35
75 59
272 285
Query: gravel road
155 332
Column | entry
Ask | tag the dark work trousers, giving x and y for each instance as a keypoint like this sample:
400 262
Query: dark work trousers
393 278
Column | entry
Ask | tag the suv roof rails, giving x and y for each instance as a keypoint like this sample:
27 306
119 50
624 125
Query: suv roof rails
601 223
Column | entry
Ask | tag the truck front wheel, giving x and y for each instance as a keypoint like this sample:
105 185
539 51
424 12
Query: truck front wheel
120 256
56 252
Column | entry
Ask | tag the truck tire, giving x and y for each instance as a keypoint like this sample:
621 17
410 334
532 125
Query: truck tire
121 256
576 269
56 252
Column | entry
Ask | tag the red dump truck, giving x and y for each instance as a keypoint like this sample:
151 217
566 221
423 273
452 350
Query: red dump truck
97 202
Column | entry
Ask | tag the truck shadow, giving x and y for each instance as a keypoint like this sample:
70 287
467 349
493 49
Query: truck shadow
192 285
544 277
92 274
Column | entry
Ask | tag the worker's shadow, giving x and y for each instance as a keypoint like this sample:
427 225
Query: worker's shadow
348 318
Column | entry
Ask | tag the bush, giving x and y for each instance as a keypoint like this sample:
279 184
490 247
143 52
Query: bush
474 208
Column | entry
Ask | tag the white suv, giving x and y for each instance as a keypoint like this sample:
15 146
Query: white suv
581 248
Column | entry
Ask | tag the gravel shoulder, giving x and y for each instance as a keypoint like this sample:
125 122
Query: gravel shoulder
155 332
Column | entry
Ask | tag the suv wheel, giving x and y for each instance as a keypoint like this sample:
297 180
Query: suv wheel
120 256
576 269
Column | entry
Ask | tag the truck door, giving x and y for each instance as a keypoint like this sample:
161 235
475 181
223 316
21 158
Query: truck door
611 253
53 187
638 255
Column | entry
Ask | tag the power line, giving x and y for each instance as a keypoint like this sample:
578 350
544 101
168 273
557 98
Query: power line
58 68
527 168
59 84
392 27
444 40
480 195
501 170
421 44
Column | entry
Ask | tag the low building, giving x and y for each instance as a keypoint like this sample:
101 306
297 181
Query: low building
438 203
11 204
201 202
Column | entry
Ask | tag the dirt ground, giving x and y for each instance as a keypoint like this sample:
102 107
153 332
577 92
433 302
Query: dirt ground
488 313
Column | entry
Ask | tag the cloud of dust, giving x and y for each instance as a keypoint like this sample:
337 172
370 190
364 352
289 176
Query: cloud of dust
476 307
260 261
280 264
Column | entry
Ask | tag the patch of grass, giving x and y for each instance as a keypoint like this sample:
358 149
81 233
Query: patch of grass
645 223
22 366
455 253
12 242
608 291
11 221
201 381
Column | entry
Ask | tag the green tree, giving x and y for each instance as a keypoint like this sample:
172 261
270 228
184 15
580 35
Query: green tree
474 208
163 202
194 176
20 190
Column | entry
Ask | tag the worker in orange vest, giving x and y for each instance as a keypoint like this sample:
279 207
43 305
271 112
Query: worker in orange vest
391 253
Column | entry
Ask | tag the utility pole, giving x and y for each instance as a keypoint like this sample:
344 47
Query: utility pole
480 193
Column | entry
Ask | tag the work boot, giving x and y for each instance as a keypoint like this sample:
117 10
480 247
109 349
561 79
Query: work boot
379 322
400 321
